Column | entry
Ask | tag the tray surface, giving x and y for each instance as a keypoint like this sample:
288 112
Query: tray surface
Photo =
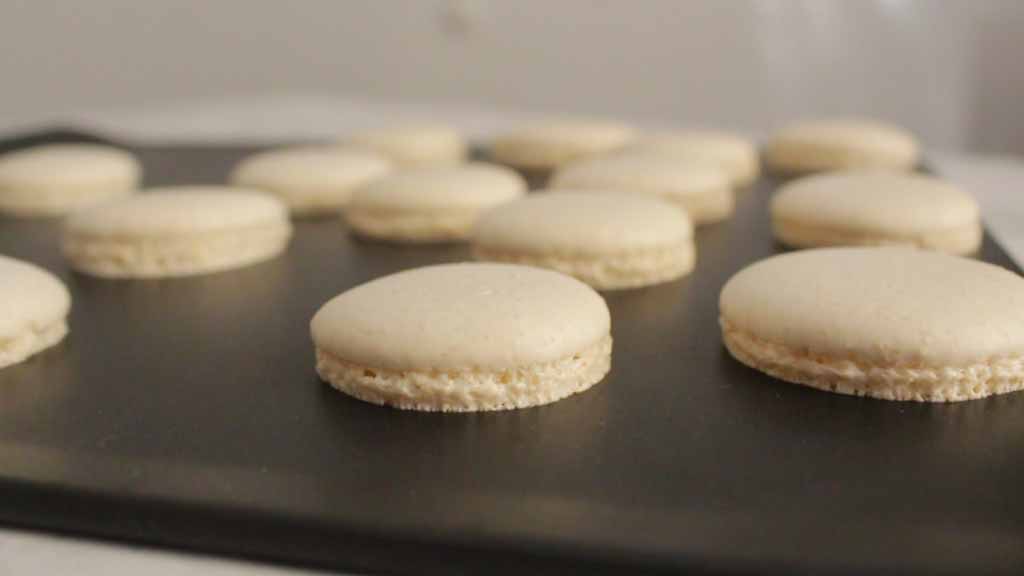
187 412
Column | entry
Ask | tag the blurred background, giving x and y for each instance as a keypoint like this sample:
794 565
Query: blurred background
949 70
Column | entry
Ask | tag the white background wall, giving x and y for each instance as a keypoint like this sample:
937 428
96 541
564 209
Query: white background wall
951 70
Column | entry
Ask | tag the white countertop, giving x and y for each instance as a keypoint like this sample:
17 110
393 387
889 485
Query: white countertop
997 182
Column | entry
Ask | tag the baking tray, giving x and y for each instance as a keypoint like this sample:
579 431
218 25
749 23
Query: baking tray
186 412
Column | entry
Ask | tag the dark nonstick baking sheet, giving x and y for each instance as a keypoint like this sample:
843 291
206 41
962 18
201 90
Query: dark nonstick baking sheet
186 412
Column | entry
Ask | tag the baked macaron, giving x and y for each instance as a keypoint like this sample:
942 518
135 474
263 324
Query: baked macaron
34 306
415 146
54 179
542 147
177 231
606 240
840 144
890 323
431 204
736 155
464 338
873 208
311 180
701 188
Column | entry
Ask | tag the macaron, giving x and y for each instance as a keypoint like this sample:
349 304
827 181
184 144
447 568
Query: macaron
311 180
431 204
414 145
890 323
876 208
464 338
607 240
839 144
54 179
34 306
736 155
542 147
701 188
176 231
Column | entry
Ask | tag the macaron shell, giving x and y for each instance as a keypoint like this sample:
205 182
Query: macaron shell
178 210
886 306
703 189
68 165
736 155
462 316
583 223
873 200
56 179
473 185
177 231
545 146
414 146
31 298
310 178
876 208
832 144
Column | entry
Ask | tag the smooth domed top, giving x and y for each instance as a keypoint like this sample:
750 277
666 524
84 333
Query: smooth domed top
30 298
583 223
68 165
462 316
470 185
894 306
179 209
583 131
641 173
736 155
309 167
685 141
414 144
552 143
840 133
875 201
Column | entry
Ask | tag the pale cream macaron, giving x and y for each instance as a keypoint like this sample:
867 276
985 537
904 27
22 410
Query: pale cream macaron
735 154
177 231
607 240
838 144
464 338
34 306
415 145
701 188
311 180
873 208
545 146
891 323
54 179
431 204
